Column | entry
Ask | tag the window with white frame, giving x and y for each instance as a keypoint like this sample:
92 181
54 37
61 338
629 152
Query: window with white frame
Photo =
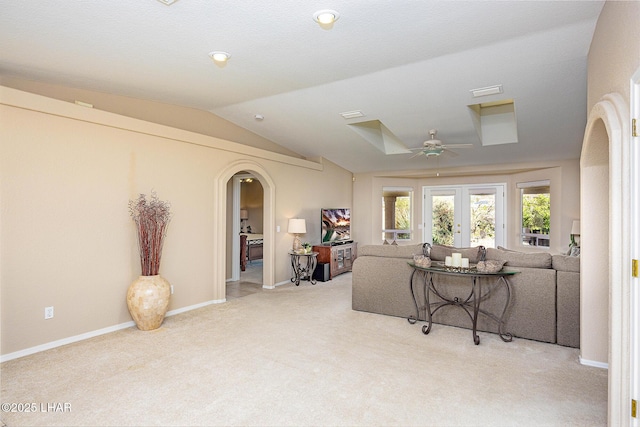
535 204
396 213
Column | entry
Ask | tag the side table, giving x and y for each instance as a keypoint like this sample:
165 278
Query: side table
303 266
470 304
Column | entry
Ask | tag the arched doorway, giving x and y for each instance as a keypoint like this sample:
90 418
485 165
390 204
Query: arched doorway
220 209
605 242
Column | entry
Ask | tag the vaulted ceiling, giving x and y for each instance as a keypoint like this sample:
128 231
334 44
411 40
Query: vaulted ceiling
407 65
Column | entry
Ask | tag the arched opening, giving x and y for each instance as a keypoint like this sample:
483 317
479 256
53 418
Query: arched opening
220 229
605 260
594 217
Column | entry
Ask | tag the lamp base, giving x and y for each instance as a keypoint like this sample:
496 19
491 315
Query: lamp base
297 244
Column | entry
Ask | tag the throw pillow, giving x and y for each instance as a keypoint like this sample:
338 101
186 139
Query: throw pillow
521 259
440 252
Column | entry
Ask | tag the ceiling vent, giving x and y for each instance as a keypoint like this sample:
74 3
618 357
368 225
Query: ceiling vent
495 122
380 137
352 114
485 91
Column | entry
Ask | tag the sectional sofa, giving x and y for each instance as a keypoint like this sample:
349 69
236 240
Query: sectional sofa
545 293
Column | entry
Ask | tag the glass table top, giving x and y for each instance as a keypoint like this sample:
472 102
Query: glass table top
439 267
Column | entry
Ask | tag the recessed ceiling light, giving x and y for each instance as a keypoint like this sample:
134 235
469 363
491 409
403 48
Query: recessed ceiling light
484 91
326 17
219 56
168 2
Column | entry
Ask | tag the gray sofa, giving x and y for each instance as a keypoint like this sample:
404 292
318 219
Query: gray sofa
545 294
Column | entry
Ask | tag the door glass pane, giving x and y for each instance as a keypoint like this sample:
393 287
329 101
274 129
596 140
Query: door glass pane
482 220
340 258
443 219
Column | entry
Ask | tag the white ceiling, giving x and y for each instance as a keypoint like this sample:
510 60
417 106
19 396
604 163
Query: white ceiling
407 63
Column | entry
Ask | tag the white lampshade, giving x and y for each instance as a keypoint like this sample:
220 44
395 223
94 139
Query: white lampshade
297 226
244 214
575 227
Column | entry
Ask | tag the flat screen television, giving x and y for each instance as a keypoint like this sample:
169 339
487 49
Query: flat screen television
336 225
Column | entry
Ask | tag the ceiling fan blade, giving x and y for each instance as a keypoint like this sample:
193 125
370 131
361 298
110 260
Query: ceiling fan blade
458 146
449 152
419 153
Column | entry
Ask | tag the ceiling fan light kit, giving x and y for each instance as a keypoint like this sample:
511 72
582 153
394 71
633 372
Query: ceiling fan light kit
434 147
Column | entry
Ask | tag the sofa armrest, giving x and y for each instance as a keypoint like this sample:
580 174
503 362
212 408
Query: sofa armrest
568 308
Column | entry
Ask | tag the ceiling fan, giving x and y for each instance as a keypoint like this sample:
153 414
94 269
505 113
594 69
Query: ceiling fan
434 147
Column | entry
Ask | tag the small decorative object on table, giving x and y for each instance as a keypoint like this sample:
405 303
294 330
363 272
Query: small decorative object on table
306 246
422 261
148 295
456 263
490 266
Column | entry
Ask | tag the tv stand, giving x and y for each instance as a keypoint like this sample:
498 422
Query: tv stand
339 256
338 242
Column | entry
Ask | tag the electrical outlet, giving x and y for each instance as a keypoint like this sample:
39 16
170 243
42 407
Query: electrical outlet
171 289
48 312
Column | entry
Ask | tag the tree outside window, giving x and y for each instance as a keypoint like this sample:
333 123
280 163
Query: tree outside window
536 215
442 227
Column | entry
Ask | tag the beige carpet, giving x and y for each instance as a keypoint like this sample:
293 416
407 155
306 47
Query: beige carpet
297 356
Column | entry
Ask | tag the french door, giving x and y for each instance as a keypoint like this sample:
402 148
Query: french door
467 215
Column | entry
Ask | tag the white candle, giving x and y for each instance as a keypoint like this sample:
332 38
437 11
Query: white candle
456 259
447 261
465 262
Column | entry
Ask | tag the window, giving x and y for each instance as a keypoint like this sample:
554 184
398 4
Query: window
535 198
396 213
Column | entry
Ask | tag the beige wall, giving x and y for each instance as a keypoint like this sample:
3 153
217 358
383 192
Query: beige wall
67 174
565 198
191 119
614 56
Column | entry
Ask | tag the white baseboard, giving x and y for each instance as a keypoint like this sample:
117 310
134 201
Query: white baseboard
593 363
87 335
286 282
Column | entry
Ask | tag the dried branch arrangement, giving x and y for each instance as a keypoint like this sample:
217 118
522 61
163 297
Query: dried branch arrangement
151 218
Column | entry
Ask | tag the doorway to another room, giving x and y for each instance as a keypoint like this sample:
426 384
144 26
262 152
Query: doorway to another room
248 240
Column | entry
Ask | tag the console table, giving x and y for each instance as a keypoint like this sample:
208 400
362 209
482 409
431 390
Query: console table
303 266
471 303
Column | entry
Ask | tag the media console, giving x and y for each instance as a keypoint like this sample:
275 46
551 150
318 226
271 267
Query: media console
338 254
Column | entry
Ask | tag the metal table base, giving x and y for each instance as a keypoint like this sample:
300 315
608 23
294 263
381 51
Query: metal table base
470 304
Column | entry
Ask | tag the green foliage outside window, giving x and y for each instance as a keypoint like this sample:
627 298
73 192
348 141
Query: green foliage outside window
536 212
403 208
483 216
442 222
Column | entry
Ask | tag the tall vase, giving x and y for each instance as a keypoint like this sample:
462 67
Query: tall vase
148 300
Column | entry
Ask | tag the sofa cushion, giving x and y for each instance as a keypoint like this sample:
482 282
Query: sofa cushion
566 263
390 251
521 259
440 252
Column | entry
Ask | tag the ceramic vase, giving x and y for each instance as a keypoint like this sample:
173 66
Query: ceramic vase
148 300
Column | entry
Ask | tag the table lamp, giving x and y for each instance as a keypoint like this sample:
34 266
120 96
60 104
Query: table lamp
297 226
